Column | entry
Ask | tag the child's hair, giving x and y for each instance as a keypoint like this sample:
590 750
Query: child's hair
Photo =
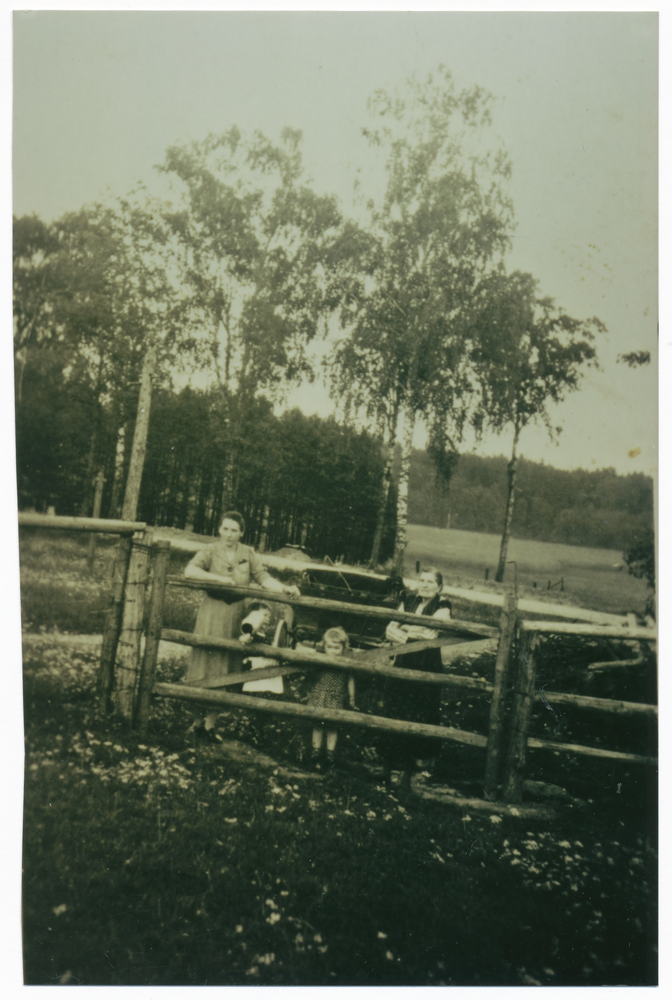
336 634
259 606
254 619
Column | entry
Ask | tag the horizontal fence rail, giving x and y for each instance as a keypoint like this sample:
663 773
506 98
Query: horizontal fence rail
600 704
629 758
369 611
97 524
310 658
597 631
213 698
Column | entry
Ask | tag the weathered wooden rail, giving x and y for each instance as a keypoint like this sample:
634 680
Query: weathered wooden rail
454 626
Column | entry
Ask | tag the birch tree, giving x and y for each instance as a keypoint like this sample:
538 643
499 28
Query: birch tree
528 355
441 223
256 246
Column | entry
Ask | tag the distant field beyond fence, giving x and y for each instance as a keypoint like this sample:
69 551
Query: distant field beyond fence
592 577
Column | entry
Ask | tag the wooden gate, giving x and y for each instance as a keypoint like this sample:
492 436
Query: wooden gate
126 677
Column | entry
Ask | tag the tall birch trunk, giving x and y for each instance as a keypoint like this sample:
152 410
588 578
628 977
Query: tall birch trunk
130 508
511 471
382 508
407 428
120 455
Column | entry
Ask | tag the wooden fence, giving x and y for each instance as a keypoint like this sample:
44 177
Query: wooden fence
126 679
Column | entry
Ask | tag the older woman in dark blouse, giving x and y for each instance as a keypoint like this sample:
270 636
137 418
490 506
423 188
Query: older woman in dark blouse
225 561
414 702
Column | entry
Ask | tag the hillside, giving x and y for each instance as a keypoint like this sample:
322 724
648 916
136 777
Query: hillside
599 509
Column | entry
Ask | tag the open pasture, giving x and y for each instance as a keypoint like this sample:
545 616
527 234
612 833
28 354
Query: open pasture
592 577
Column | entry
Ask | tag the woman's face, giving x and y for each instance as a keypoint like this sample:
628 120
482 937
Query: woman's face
333 647
229 531
428 587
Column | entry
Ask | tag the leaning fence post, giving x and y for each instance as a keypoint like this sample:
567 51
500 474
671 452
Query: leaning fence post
520 717
160 558
497 706
128 648
108 650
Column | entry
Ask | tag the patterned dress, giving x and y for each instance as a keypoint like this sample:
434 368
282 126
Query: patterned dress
330 691
222 616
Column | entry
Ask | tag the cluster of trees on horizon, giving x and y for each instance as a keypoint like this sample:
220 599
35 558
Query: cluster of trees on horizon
302 480
598 508
234 267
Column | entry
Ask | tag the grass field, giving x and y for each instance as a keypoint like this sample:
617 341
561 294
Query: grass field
593 578
156 863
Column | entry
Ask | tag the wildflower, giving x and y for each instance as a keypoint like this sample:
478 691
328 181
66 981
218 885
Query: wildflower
239 928
270 903
495 819
389 956
564 843
273 918
317 938
381 935
57 910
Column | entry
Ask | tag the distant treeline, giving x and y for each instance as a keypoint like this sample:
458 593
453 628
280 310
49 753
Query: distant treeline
298 480
599 509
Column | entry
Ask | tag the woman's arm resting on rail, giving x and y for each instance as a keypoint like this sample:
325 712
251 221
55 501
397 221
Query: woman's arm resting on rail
196 573
270 583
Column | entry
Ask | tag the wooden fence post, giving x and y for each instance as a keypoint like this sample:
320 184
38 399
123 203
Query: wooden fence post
524 683
108 650
160 559
499 694
128 648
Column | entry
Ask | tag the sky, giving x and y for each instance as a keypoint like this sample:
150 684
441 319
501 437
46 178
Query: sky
98 96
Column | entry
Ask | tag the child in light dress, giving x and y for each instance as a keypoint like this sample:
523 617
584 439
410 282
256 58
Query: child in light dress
253 629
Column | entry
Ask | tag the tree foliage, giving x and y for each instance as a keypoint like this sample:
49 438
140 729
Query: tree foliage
256 246
596 508
441 222
527 356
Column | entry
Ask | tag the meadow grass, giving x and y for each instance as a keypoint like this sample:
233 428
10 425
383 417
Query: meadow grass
150 862
147 862
593 578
